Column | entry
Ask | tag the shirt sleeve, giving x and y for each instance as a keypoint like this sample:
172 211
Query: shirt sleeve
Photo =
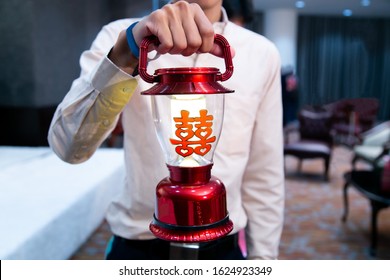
91 108
263 183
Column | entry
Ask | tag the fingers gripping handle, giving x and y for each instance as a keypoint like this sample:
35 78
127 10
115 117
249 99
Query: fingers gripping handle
218 39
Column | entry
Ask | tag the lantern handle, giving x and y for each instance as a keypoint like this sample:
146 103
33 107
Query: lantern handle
218 39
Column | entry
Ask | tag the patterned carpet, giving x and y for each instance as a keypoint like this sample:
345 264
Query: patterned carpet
313 229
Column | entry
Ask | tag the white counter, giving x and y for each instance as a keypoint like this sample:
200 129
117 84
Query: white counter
48 208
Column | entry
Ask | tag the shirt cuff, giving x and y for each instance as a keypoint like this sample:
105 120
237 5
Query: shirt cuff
107 74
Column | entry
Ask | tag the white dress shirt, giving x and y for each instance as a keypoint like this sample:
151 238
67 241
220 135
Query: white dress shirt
249 155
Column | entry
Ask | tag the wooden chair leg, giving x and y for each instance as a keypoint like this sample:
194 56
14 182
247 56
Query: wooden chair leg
345 199
375 208
299 165
326 166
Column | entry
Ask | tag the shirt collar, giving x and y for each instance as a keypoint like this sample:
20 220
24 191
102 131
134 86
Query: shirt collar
219 26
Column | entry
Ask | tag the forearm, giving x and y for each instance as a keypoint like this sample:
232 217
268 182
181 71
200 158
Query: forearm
89 112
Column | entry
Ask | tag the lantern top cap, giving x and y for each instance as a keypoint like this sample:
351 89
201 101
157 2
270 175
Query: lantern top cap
187 70
187 80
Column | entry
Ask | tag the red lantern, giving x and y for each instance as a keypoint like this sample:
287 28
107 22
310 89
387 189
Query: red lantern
188 109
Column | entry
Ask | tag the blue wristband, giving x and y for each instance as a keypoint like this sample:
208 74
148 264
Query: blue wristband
130 40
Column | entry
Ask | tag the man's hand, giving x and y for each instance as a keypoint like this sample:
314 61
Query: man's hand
181 27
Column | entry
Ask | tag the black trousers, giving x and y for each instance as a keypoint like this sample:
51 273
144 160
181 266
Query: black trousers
226 248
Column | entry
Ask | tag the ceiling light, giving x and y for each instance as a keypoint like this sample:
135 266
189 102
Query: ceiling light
300 4
347 12
365 3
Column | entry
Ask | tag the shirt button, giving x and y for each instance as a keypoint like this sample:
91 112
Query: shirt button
106 122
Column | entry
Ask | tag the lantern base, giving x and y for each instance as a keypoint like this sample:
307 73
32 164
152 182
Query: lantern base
191 234
190 206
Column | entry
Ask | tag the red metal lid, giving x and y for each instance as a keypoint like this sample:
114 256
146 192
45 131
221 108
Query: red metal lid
187 80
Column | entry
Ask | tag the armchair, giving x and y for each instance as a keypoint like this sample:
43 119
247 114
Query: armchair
315 140
374 183
352 117
373 145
